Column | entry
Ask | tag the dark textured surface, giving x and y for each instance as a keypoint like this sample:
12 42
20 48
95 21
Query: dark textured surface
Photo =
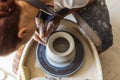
97 16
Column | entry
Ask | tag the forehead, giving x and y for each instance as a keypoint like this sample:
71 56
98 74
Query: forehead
27 9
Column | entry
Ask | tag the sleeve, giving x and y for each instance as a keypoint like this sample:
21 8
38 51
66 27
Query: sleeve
60 4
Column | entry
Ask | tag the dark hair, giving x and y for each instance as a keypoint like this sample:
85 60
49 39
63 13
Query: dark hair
8 32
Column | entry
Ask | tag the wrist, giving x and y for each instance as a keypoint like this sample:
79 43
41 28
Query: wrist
64 12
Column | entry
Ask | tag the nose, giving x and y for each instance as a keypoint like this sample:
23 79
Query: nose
3 0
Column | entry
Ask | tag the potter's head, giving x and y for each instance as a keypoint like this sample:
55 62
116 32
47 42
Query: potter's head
16 24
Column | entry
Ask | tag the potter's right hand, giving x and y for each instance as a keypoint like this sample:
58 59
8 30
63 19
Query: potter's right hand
44 30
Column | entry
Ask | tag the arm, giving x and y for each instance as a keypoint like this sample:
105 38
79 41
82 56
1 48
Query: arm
52 25
73 5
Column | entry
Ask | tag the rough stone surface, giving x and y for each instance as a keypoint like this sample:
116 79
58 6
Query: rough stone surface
97 16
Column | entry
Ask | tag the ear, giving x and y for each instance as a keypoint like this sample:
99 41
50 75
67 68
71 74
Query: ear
22 32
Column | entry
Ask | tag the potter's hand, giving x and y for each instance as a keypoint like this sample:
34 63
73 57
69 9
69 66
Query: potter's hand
44 29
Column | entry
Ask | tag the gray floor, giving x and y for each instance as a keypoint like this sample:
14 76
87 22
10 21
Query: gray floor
110 59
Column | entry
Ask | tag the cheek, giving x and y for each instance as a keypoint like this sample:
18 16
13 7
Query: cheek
31 29
28 13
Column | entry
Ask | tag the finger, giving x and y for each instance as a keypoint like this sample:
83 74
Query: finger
50 28
38 21
38 35
37 38
42 30
41 26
